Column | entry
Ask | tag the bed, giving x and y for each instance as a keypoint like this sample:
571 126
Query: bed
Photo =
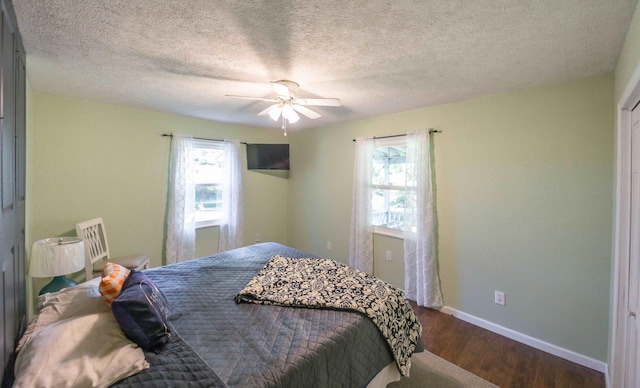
217 342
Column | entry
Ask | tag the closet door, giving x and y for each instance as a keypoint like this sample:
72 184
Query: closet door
12 186
632 353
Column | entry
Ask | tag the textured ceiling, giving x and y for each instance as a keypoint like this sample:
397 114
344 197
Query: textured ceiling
378 57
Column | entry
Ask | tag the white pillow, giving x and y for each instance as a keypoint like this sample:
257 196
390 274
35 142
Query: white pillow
67 303
85 351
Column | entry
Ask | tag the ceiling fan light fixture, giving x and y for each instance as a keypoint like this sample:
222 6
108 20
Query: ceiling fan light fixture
274 112
289 114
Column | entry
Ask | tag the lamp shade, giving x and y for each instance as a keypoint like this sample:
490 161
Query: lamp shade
56 257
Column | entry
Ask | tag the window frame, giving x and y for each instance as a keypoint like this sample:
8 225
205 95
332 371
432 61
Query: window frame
199 144
388 142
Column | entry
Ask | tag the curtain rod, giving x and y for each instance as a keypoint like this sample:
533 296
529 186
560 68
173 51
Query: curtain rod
200 138
431 130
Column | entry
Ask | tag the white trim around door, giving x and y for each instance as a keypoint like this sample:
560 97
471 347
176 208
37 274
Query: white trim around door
616 375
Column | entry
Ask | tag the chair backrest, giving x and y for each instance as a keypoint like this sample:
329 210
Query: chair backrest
95 243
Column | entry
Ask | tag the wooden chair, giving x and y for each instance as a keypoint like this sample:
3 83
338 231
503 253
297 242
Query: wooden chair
97 250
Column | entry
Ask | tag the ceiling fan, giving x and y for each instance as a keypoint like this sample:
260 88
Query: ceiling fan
287 103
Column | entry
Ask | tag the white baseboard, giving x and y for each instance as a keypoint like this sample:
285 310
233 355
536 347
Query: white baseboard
569 355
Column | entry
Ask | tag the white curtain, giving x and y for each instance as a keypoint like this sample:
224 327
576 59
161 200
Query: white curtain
361 240
422 283
181 229
231 227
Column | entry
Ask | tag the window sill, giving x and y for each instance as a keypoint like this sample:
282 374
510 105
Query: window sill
388 232
206 224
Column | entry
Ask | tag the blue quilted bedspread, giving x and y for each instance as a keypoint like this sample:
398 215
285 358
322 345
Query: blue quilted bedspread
324 283
221 343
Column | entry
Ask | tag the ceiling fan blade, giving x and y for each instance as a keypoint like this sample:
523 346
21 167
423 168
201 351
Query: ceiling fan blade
319 101
264 112
281 90
306 111
251 98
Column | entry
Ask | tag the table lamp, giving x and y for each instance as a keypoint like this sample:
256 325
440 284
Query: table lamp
56 257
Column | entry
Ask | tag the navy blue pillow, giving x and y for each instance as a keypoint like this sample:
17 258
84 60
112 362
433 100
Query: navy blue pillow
142 312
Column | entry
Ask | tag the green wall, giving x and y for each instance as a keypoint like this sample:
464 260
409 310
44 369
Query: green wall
523 188
91 159
524 201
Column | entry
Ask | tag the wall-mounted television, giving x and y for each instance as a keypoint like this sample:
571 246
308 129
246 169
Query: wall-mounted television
268 156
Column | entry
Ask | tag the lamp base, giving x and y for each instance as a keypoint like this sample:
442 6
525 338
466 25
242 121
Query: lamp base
57 284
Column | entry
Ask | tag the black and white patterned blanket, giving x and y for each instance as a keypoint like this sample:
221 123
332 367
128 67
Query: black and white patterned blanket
323 283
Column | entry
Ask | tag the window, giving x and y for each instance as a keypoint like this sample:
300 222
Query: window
207 159
389 186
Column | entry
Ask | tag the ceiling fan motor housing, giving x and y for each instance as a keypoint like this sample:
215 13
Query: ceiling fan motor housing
292 86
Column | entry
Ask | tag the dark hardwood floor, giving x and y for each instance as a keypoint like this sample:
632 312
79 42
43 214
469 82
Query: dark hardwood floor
500 360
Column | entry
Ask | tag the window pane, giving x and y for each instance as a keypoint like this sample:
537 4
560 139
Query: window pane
389 165
207 165
208 202
208 173
387 208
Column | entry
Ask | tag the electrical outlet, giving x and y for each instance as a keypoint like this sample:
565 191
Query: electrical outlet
328 245
388 256
500 298
257 238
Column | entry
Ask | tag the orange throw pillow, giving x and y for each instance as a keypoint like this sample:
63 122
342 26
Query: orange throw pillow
113 277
